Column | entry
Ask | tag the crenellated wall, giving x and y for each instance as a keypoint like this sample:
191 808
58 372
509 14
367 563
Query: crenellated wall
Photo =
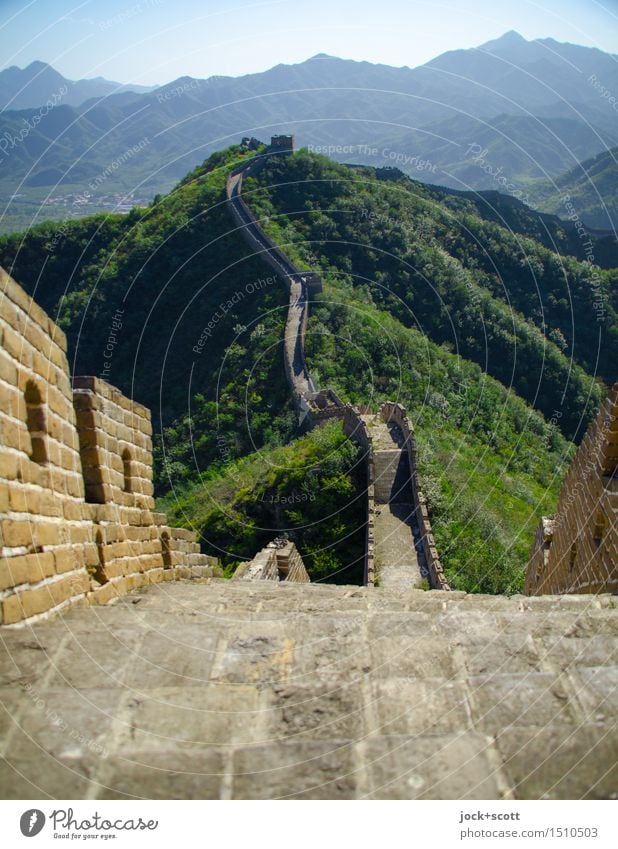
280 560
76 497
314 406
576 550
115 439
391 411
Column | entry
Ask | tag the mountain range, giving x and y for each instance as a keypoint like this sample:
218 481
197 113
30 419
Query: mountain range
509 115
31 87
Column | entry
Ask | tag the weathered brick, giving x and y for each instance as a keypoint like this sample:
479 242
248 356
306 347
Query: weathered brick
25 569
8 369
9 465
28 603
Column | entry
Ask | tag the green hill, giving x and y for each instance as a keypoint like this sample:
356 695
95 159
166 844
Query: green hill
540 322
592 187
427 299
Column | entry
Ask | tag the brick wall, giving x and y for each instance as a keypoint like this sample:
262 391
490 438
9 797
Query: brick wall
76 497
576 551
278 561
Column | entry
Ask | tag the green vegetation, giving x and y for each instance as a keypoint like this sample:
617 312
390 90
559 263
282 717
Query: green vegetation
490 465
167 271
526 315
310 491
479 330
592 188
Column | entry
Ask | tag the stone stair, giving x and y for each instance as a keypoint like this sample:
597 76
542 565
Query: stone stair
398 557
219 689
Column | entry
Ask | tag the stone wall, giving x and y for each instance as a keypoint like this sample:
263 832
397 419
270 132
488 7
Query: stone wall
280 560
576 551
316 406
301 284
356 429
326 405
391 411
76 497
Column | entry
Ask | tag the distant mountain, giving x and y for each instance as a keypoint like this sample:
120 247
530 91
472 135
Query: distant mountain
494 117
592 187
31 87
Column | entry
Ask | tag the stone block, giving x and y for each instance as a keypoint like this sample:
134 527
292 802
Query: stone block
42 776
32 602
23 500
562 762
171 774
25 569
422 707
8 370
511 701
451 766
315 712
300 769
16 533
9 465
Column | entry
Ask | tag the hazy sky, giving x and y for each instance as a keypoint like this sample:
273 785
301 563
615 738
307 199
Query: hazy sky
155 41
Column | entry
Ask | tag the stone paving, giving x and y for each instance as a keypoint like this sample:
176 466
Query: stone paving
395 536
215 690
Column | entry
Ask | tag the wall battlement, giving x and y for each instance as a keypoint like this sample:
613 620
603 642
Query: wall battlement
280 560
576 550
76 495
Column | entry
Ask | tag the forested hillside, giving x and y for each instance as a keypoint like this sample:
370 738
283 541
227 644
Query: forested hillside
489 337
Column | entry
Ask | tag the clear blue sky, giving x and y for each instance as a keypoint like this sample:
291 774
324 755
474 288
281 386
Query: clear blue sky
155 41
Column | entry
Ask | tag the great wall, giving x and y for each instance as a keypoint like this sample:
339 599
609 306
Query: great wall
130 669
400 547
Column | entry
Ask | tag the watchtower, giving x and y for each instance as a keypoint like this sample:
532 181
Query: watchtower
282 144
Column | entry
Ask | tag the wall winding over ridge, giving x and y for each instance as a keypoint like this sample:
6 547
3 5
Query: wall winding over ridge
77 520
316 405
299 283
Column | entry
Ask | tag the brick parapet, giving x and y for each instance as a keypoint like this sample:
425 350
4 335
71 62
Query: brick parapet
392 411
57 548
278 561
576 550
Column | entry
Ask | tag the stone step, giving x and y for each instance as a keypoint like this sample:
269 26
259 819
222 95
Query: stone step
216 689
391 475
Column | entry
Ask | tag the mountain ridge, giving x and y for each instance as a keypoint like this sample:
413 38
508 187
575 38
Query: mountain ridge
32 86
528 126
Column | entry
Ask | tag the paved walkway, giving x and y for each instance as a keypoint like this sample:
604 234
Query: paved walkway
218 689
395 534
